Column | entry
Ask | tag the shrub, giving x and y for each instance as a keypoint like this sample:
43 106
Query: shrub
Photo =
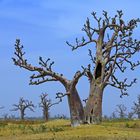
56 129
133 125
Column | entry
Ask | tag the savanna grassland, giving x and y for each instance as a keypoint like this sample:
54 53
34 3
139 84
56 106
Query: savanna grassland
61 130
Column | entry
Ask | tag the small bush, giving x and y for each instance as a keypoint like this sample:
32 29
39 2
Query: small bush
21 127
127 125
133 125
31 128
56 129
42 128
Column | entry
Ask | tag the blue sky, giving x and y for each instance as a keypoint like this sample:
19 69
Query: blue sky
43 27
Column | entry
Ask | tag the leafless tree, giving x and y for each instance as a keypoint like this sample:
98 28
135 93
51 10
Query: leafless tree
121 111
136 107
113 115
130 115
46 104
5 116
45 73
22 106
115 47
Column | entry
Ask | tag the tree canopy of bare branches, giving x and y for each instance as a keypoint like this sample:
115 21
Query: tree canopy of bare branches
121 111
22 106
115 46
46 104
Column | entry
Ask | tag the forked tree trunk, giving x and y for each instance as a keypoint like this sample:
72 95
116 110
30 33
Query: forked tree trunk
76 108
93 109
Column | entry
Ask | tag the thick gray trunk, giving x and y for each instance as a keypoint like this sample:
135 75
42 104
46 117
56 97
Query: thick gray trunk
46 114
93 109
22 115
76 108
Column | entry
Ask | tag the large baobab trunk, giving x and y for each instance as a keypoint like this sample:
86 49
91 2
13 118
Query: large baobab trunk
93 109
76 108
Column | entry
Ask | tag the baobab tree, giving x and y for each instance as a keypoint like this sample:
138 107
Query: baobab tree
114 47
5 116
46 104
121 111
136 107
113 115
22 106
45 73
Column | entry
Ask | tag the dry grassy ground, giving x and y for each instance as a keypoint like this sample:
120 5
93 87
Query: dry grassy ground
61 130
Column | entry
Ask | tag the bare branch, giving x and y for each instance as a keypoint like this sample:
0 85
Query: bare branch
97 19
76 77
45 72
93 59
122 85
88 72
60 95
80 43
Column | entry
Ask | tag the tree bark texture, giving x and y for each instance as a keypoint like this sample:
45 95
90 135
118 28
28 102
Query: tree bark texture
93 109
76 108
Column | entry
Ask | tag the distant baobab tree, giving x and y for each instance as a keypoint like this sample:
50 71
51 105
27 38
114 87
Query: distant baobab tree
113 115
121 111
22 106
113 48
46 104
5 116
136 107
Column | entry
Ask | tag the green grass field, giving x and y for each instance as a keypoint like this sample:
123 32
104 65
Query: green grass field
61 130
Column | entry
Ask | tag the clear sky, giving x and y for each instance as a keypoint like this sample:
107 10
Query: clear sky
43 27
